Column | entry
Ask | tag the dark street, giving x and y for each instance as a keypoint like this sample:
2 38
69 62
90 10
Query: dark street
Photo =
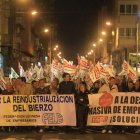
64 136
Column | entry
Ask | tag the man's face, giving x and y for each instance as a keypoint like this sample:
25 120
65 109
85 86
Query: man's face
14 81
41 83
67 78
9 86
130 85
137 84
97 85
35 84
112 81
54 84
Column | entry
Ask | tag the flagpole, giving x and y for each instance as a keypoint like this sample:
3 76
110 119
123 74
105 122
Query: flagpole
137 45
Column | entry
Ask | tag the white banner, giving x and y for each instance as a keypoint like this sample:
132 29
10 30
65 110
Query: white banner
37 110
114 109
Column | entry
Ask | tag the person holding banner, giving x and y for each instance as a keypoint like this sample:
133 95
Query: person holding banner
42 89
34 84
24 88
9 89
82 102
54 86
137 89
66 86
137 85
130 86
95 88
110 87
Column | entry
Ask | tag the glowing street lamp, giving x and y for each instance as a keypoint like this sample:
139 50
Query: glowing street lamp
113 33
54 49
34 13
59 53
101 40
103 33
108 23
94 45
46 30
91 51
59 56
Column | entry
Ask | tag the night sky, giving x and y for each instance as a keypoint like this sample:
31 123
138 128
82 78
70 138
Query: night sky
77 24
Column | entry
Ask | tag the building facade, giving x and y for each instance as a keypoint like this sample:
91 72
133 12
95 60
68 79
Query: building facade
5 34
22 37
126 42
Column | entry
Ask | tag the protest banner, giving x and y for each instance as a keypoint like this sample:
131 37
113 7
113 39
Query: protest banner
114 109
34 110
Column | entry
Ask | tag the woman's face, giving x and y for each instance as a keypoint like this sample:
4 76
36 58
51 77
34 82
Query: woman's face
82 88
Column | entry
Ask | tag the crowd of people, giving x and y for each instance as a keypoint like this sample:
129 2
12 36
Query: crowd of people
81 90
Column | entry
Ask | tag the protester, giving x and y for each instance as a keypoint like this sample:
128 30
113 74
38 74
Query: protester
137 85
39 86
42 89
34 84
66 86
137 89
109 87
130 86
54 86
118 82
24 88
9 89
95 88
82 104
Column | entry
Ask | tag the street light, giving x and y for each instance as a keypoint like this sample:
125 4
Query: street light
113 33
59 53
46 30
108 23
33 13
55 49
101 40
103 33
94 45
91 51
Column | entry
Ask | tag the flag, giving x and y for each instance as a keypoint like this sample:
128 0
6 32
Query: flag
21 70
131 73
105 71
2 81
95 74
13 74
68 67
83 67
123 72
